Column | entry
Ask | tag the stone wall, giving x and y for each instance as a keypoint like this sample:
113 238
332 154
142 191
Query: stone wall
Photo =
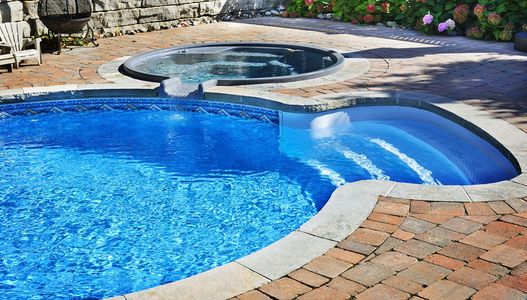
14 11
112 17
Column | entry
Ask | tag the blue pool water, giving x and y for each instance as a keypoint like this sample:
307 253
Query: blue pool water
96 204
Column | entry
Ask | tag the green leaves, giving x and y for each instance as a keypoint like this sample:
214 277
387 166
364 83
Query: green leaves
501 8
410 13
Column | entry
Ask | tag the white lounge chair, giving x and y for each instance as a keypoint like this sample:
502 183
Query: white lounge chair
11 36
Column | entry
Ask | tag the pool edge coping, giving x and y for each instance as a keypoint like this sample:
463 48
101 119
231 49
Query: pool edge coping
339 217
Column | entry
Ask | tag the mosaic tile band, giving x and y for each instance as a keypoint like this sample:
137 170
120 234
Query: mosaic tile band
90 104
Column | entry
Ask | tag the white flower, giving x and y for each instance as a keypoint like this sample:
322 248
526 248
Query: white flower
451 24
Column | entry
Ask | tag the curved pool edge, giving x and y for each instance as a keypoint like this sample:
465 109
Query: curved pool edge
340 216
354 65
128 69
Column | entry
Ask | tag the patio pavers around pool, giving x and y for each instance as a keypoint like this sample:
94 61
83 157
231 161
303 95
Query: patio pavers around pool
418 249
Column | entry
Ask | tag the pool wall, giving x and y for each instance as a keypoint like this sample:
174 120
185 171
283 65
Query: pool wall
348 206
88 104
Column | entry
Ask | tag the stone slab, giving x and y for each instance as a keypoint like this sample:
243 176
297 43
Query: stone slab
429 192
346 209
502 190
222 282
286 255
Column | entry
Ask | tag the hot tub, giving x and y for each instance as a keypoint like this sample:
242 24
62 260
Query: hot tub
234 63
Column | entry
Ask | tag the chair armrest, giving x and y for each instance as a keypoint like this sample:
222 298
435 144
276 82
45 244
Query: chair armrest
5 45
33 42
5 48
30 41
37 44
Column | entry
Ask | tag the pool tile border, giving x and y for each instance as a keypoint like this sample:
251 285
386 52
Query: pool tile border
348 206
105 104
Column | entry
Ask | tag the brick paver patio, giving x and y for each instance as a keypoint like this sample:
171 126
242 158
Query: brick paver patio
405 249
420 250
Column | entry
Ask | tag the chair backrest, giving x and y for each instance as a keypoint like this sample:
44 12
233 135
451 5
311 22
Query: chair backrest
11 33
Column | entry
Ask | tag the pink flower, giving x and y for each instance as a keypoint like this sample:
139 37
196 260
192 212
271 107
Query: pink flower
494 19
385 7
479 10
427 19
368 18
461 13
308 2
442 27
475 33
371 8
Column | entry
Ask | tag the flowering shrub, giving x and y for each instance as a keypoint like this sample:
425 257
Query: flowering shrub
461 13
427 19
494 19
308 8
474 33
447 25
479 19
442 27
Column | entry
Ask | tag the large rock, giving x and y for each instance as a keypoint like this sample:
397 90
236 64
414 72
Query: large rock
63 7
40 29
168 13
11 11
109 5
155 3
158 14
115 18
25 28
211 8
31 9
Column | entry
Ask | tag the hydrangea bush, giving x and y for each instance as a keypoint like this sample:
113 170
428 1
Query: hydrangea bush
478 19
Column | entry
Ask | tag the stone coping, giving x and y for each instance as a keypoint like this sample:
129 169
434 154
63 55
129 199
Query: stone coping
348 206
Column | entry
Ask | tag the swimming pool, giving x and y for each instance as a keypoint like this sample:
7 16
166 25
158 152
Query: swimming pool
101 201
234 63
